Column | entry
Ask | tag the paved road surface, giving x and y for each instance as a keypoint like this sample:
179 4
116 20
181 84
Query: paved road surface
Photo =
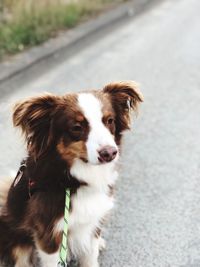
156 222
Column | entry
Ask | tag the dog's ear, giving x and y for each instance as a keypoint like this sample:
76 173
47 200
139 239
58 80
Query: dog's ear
34 116
125 97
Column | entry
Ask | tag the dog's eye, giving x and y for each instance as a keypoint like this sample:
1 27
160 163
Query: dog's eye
110 121
77 128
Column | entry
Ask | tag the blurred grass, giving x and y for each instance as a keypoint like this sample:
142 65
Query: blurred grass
25 23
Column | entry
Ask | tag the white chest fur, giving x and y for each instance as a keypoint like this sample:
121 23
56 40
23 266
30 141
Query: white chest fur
90 203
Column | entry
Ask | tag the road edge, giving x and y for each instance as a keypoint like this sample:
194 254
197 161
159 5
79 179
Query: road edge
25 60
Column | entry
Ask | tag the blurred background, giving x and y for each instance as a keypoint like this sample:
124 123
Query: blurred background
25 23
61 46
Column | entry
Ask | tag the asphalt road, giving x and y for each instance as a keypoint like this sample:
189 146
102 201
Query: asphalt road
156 222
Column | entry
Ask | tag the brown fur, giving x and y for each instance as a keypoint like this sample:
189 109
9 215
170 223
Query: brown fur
125 97
51 125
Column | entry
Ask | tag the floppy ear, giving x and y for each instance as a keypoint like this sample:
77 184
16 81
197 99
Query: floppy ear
125 97
34 116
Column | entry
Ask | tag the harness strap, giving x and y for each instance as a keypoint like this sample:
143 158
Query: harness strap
20 173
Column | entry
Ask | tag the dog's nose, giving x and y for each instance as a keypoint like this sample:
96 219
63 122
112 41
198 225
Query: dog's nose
107 153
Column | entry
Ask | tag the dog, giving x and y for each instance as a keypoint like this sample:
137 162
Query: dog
73 141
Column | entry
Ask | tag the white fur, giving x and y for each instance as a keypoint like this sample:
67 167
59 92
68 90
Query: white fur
22 256
59 226
48 260
89 205
99 135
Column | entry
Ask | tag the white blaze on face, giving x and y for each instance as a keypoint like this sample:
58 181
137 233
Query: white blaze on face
99 136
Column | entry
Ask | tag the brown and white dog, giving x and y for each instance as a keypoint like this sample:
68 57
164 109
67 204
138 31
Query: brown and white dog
72 142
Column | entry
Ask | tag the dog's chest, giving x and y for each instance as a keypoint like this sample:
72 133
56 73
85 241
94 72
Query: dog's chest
91 202
89 206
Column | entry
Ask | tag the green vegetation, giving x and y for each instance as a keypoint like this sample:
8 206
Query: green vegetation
25 23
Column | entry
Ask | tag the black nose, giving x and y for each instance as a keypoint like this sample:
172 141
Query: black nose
107 153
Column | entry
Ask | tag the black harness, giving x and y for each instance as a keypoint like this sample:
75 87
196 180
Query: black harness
31 184
71 182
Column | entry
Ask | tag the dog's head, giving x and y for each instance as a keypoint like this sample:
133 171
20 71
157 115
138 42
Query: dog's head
84 125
